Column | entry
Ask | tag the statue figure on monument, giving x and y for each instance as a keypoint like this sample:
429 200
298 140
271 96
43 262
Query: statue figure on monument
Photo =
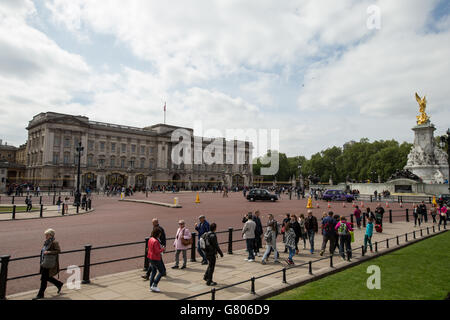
422 118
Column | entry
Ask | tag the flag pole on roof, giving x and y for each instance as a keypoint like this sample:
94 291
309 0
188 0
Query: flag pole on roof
164 112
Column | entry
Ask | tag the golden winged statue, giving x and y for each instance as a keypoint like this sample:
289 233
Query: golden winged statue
422 118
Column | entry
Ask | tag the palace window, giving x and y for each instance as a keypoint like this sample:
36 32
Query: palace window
90 145
142 149
66 157
55 158
142 163
113 147
113 162
133 148
122 163
56 142
102 146
90 160
66 142
124 147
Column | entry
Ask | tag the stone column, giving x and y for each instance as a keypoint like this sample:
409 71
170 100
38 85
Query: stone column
101 182
149 182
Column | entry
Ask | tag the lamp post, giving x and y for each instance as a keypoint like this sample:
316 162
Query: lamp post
446 139
77 193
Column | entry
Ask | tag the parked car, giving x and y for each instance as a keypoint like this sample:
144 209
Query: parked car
444 198
261 194
337 195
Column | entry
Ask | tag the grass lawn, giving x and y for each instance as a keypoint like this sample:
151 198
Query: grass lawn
418 272
9 209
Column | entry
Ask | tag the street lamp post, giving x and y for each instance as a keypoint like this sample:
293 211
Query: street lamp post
443 141
77 193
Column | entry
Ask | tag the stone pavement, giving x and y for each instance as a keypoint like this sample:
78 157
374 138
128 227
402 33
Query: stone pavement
231 269
48 212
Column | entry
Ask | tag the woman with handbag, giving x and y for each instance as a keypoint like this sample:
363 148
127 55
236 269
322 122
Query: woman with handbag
182 242
49 263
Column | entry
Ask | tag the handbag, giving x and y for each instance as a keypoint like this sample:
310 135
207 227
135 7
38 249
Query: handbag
49 261
185 242
352 234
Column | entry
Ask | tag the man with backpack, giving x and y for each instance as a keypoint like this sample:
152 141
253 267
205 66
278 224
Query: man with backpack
211 247
312 228
343 229
258 233
328 224
285 220
379 211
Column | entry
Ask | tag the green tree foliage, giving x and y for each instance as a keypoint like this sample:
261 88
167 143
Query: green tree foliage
359 161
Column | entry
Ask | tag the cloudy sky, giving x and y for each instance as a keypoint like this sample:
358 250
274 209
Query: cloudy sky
312 69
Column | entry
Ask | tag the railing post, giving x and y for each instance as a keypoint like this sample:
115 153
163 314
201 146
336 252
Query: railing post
63 207
370 198
41 209
87 263
434 230
253 286
428 230
14 212
398 242
3 276
146 262
414 234
421 233
193 247
351 218
310 267
439 227
213 294
362 251
387 243
390 215
284 275
78 208
40 200
407 215
12 200
364 219
331 261
54 200
376 246
406 237
230 240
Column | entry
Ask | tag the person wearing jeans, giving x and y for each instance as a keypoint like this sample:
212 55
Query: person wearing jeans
290 241
182 233
312 228
368 235
343 229
271 240
248 233
202 228
154 256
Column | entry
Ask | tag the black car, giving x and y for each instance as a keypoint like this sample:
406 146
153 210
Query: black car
261 194
444 198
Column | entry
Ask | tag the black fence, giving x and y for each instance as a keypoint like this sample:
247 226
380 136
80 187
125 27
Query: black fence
89 249
396 198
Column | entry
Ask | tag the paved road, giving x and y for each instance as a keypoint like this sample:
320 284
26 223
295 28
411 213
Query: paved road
115 222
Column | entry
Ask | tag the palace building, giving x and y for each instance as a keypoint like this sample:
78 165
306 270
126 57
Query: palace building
119 155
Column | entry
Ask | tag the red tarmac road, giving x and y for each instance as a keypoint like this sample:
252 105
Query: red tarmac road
115 222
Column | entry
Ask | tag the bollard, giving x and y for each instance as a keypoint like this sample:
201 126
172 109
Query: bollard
429 200
407 215
40 200
376 246
434 230
421 233
213 294
253 286
390 215
414 234
398 242
78 208
331 261
54 200
230 240
351 218
87 263
428 230
3 276
406 237
310 267
146 261
193 247
12 201
41 211
284 275
370 198
387 243
14 212
364 220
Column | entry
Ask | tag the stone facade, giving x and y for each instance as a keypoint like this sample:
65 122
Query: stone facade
121 155
425 159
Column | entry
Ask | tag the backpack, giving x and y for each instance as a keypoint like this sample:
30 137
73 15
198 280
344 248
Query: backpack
343 229
328 227
204 241
268 236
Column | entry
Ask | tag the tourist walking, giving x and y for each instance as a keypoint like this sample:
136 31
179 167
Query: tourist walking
154 256
423 212
343 229
443 214
357 214
368 235
183 240
66 205
285 220
29 203
433 212
58 203
416 215
258 233
248 233
202 228
304 236
211 250
289 242
379 212
49 263
312 228
162 241
328 233
297 229
270 236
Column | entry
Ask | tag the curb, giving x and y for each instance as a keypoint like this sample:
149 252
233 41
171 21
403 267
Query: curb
168 205
59 216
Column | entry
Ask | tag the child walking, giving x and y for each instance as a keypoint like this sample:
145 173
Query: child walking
368 235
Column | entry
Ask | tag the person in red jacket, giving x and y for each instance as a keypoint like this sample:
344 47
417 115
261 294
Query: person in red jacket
154 256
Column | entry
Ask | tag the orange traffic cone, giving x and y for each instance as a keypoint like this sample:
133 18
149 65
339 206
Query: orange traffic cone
343 204
401 204
197 199
329 206
317 205
387 204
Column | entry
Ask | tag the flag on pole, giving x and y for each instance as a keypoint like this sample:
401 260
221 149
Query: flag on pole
164 106
164 112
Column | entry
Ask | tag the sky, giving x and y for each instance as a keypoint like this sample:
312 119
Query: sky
321 72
